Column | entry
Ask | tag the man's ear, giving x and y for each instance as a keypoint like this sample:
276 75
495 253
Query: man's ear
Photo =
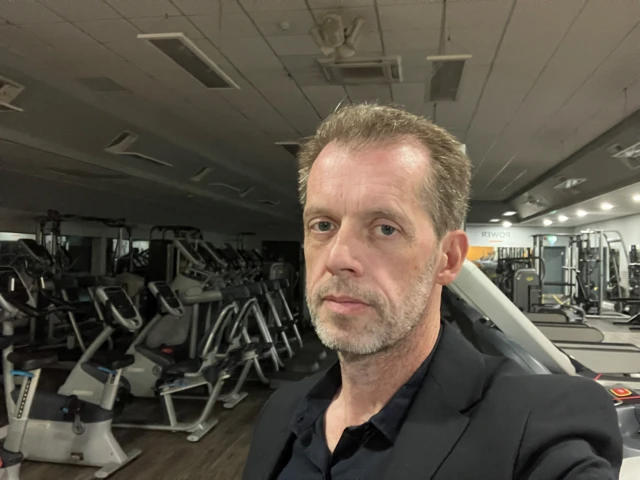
454 249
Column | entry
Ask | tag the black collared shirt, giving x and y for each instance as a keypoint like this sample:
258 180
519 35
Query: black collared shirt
362 450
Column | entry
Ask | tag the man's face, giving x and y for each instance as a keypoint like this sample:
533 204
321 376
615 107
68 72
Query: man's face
370 247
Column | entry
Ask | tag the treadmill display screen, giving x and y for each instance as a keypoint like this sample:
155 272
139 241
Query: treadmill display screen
165 292
121 302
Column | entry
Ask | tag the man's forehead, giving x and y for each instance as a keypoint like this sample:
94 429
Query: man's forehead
406 155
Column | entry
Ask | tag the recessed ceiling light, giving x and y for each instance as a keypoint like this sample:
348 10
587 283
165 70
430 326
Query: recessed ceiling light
562 218
636 198
506 224
509 214
581 213
494 220
606 206
546 222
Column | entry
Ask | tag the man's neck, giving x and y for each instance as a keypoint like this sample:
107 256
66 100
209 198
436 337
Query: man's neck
369 382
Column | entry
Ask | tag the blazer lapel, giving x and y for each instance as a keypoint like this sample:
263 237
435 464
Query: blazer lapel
436 420
428 435
275 451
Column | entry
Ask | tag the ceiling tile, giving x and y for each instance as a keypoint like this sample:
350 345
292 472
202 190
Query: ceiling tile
299 22
369 93
86 51
414 74
140 54
326 98
410 40
197 7
482 42
299 45
339 3
167 25
225 29
348 15
57 32
264 6
410 96
27 11
106 31
369 42
142 8
214 54
456 115
291 102
407 17
252 54
12 36
490 14
74 10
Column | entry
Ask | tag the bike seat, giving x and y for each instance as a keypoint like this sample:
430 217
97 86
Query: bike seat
180 368
28 361
112 360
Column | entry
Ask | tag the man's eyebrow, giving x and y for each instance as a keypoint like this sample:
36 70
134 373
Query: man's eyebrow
386 213
315 211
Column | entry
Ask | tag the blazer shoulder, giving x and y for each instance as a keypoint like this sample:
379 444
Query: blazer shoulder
533 389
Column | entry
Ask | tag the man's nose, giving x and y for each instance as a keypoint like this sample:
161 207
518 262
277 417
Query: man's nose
345 254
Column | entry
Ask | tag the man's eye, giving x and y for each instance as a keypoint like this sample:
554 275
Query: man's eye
386 230
321 226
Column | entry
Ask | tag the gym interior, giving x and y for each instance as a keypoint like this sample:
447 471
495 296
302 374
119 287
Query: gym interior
152 276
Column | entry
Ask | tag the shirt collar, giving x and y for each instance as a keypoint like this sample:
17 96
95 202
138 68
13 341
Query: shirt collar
388 421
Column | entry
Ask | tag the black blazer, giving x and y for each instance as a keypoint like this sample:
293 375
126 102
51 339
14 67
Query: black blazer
475 417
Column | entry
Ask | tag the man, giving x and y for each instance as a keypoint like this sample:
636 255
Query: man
385 194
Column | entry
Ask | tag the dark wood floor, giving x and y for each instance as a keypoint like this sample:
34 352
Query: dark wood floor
220 455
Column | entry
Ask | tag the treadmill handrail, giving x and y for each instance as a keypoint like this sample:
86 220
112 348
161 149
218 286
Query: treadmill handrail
480 292
204 296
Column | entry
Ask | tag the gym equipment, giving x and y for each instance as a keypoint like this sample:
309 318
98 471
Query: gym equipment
59 428
495 311
605 358
225 347
86 380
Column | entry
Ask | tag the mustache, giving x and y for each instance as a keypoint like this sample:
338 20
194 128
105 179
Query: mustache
340 287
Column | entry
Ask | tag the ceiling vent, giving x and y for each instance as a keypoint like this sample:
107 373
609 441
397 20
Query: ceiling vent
383 70
87 175
9 91
122 144
446 75
201 174
101 84
194 61
241 193
629 156
569 183
292 147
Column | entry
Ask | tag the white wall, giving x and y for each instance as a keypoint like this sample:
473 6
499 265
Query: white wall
498 236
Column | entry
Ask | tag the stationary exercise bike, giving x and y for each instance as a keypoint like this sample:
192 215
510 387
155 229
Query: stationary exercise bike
50 427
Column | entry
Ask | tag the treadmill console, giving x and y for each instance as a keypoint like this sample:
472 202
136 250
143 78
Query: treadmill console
167 297
120 306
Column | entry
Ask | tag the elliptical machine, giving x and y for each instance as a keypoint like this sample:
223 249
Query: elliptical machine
49 427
